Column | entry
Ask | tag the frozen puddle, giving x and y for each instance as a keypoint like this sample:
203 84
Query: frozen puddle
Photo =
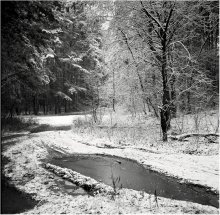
129 174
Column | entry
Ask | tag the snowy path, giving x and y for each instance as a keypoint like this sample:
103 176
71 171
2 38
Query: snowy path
56 120
201 170
26 152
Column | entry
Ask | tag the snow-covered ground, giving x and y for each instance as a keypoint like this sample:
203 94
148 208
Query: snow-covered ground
25 156
66 120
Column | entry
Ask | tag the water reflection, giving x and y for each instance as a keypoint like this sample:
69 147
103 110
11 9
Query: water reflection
134 176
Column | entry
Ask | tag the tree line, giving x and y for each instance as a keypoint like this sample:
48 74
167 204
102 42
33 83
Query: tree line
50 51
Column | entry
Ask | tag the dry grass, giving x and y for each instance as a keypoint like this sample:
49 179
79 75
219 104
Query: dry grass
120 129
203 122
123 130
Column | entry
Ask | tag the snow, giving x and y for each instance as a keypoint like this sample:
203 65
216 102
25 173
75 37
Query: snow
56 120
196 169
27 173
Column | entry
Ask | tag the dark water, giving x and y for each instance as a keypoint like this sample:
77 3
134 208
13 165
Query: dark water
135 176
12 200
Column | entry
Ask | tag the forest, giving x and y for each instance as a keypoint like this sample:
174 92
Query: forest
135 80
156 58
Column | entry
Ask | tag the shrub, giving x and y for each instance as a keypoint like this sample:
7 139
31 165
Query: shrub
16 123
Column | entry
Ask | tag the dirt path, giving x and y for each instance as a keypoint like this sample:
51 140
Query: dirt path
25 170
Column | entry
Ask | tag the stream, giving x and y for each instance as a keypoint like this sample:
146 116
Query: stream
129 174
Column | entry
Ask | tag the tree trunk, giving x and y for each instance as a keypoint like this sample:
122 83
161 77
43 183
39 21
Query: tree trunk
55 110
113 86
113 104
165 110
189 110
26 109
69 108
35 105
65 106
59 106
188 96
44 107
75 101
173 97
153 107
17 110
11 111
94 113
144 108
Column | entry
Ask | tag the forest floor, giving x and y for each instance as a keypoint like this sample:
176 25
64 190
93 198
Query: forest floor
193 161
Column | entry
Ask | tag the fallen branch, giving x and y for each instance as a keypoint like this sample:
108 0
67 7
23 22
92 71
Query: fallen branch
184 136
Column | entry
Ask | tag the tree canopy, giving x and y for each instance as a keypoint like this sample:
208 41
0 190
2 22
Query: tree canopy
155 57
48 52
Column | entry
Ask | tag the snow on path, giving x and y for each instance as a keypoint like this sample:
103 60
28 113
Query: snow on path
56 120
203 170
27 150
25 161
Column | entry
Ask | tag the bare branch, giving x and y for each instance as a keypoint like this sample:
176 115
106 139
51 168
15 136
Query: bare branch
168 20
183 47
200 51
150 16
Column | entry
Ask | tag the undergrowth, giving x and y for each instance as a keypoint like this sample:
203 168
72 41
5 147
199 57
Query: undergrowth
45 127
16 124
141 131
